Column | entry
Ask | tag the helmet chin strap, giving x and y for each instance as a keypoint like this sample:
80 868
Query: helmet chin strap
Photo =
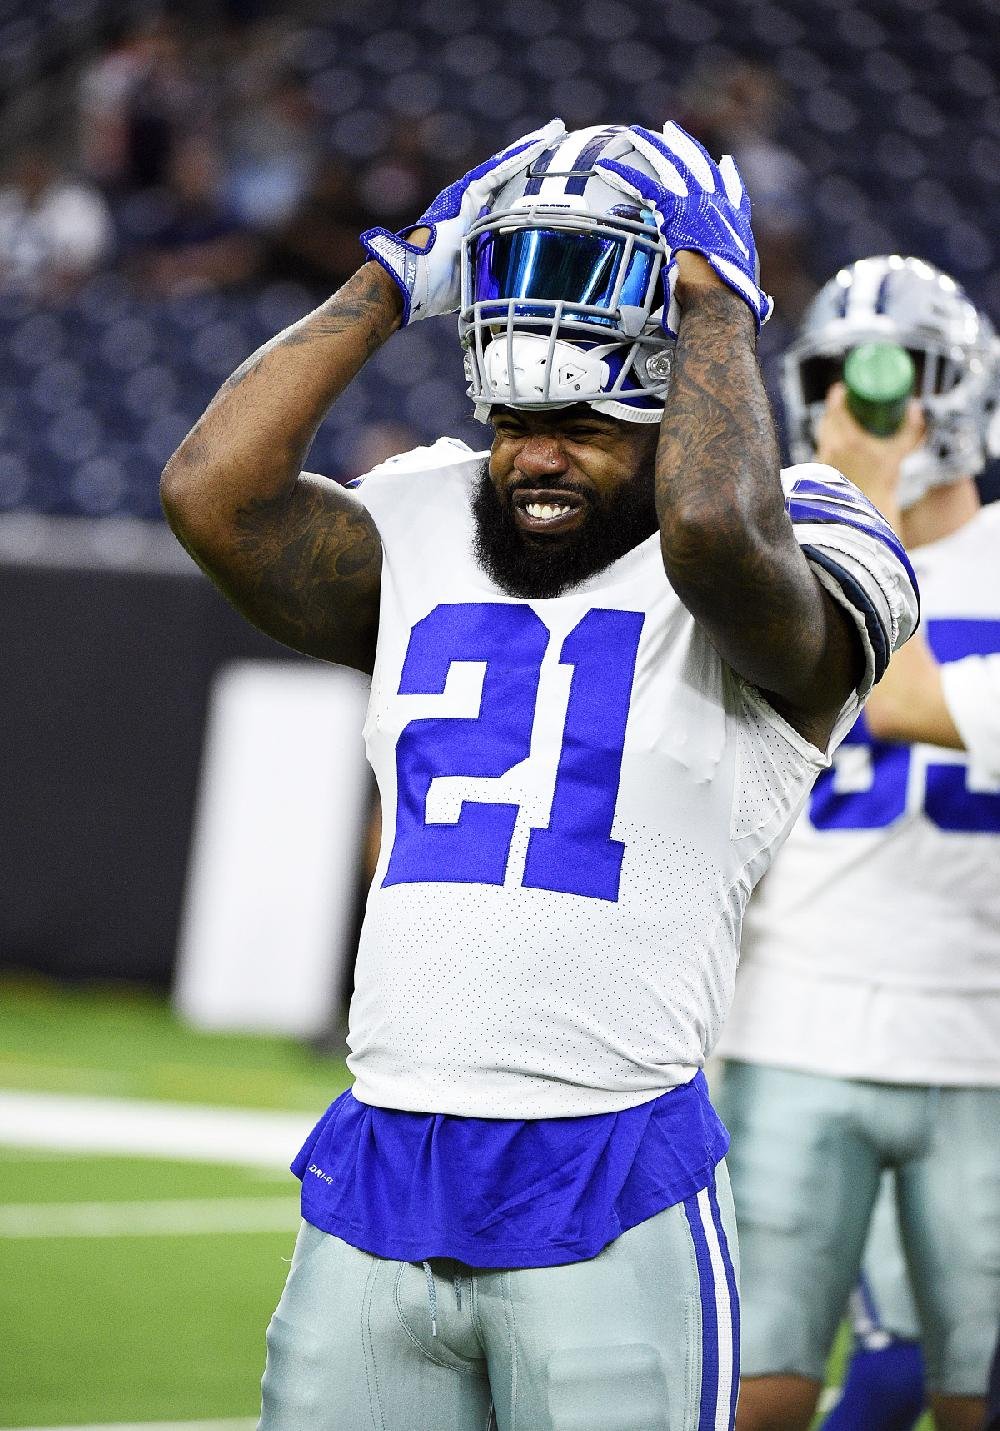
536 372
609 408
624 413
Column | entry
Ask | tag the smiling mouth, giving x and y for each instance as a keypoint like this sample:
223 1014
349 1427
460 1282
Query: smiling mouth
543 512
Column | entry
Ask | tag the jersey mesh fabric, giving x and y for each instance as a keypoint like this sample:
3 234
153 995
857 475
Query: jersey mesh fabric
768 764
555 1034
512 1000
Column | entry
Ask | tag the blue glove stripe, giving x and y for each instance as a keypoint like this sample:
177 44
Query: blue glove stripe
449 202
701 221
635 177
679 162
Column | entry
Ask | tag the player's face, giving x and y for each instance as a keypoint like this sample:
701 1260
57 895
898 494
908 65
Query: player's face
564 494
558 468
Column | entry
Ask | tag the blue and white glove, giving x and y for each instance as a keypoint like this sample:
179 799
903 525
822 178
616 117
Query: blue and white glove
698 205
430 277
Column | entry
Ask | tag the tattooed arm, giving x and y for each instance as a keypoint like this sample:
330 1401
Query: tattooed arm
727 543
298 555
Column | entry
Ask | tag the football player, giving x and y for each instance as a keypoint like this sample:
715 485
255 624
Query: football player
606 669
865 1033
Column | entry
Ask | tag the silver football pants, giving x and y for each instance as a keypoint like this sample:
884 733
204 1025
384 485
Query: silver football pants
642 1337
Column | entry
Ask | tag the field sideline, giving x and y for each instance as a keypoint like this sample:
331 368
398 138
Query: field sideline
146 1211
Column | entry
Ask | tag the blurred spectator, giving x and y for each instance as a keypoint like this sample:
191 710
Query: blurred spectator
400 181
319 243
190 241
54 229
271 131
136 100
735 108
274 155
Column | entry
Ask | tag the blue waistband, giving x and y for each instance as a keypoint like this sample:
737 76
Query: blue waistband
496 1192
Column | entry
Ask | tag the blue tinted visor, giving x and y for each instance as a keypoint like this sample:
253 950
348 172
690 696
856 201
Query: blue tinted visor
578 268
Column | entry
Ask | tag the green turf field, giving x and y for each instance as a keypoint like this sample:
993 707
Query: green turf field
102 1319
138 1288
126 1043
135 1327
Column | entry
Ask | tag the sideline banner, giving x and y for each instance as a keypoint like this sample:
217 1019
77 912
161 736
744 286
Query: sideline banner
265 942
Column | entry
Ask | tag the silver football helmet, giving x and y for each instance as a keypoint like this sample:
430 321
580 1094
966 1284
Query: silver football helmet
562 296
955 351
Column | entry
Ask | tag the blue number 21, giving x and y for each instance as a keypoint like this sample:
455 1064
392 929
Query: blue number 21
575 854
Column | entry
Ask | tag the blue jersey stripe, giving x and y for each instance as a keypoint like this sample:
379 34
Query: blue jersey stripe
841 506
810 512
709 1318
879 638
734 1297
842 491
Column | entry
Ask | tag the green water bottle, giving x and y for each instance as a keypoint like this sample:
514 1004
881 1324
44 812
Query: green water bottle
879 378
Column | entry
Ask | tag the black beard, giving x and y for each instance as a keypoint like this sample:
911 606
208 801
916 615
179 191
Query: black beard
540 567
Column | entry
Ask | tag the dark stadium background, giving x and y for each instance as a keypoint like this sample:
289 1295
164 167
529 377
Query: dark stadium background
211 165
235 151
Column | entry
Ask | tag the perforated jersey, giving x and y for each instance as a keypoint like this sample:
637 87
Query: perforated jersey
578 796
872 948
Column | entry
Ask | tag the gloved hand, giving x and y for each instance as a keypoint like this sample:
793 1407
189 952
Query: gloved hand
698 205
430 275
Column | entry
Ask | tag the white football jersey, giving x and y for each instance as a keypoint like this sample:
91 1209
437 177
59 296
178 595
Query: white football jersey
578 796
872 949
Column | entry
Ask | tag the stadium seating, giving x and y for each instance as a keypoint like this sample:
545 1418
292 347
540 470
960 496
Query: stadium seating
894 110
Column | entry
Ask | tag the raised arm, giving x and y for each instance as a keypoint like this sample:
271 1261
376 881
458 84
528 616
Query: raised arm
727 542
910 702
298 555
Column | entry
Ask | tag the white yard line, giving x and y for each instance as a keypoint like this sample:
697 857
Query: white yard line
234 1425
178 1217
138 1128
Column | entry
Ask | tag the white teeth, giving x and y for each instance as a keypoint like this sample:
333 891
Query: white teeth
542 511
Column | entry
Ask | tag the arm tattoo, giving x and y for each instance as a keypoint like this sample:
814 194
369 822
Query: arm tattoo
360 303
727 543
309 563
298 555
717 458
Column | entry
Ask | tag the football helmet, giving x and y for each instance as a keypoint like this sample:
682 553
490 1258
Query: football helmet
954 348
562 291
